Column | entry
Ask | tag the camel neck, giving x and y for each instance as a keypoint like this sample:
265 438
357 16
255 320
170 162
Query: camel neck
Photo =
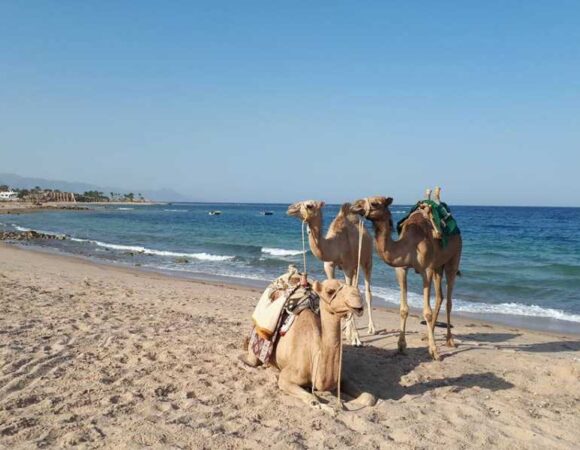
327 372
318 244
389 250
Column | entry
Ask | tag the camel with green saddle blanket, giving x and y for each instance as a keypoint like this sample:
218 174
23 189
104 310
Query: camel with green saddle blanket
418 248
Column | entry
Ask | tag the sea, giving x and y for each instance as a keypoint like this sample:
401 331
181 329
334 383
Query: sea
520 265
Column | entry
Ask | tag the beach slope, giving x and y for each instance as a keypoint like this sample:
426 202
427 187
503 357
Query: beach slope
100 356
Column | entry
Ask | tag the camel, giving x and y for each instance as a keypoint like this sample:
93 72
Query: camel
339 248
416 248
309 353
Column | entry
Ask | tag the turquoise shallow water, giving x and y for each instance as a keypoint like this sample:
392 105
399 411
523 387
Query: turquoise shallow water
516 261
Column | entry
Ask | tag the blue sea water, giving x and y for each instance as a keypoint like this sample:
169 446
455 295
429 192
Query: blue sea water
517 261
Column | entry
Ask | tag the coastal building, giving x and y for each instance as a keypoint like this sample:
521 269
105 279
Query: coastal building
8 196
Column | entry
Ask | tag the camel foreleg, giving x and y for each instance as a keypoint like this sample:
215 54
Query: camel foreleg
329 268
298 392
359 397
351 332
369 299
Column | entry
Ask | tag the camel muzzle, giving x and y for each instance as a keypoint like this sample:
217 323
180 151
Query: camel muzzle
358 311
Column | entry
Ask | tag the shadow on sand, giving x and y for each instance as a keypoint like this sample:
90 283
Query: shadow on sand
379 372
495 338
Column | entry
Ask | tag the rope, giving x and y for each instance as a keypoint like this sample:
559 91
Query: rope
304 225
360 239
338 400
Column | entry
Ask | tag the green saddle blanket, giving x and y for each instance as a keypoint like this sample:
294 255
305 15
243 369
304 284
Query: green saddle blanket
444 221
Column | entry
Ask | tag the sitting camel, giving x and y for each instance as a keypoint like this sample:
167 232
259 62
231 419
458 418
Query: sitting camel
418 249
309 353
339 248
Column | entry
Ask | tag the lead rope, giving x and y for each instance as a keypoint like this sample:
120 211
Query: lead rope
304 225
361 226
360 239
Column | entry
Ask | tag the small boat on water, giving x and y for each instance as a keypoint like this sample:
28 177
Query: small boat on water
215 213
267 213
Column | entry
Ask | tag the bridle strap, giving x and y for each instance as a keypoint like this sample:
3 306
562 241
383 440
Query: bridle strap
329 302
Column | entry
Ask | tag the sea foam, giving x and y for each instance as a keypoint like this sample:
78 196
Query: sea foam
512 308
149 251
281 252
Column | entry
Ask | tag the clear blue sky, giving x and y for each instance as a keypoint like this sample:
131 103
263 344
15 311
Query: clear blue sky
281 101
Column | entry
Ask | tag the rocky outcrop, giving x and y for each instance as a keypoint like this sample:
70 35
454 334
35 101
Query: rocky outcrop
27 236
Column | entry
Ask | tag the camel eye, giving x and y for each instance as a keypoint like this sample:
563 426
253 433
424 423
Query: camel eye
308 206
330 291
375 204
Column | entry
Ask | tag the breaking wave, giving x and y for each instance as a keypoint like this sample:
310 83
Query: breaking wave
148 251
511 308
281 252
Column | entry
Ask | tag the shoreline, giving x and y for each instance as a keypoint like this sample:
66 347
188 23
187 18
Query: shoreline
528 323
13 207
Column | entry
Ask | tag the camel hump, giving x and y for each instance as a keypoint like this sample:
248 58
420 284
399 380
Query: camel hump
345 209
347 213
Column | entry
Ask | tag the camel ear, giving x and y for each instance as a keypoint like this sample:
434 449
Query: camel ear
317 286
322 204
388 201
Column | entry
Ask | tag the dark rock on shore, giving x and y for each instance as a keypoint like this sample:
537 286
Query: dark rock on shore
27 236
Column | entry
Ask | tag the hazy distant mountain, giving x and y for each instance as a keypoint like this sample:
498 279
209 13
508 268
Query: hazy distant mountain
16 181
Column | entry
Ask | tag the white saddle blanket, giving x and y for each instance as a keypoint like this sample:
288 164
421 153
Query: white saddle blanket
271 304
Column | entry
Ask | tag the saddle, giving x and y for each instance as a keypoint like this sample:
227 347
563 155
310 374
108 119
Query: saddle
282 301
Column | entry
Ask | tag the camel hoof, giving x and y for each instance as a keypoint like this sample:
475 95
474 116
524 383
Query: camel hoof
402 346
434 354
325 408
451 343
366 399
356 343
371 330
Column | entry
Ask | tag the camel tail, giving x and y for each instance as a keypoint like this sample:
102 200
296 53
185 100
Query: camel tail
246 343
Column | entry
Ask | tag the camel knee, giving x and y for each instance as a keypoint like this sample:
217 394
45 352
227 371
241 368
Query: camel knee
428 315
249 359
404 313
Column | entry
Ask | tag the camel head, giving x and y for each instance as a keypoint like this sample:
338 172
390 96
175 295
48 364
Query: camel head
373 208
306 210
338 298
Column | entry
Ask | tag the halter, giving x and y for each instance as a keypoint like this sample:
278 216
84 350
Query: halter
367 207
333 296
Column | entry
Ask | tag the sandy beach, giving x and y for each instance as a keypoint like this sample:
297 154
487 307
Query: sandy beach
98 356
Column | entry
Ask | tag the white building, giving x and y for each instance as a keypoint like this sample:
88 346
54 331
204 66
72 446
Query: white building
8 195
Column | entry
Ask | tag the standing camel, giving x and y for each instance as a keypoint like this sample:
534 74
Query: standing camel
339 248
416 248
309 353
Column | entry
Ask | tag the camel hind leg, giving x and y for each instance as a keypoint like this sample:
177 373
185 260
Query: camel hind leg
451 275
428 312
404 308
438 282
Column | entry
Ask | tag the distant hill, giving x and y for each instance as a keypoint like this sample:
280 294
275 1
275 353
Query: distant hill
17 181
